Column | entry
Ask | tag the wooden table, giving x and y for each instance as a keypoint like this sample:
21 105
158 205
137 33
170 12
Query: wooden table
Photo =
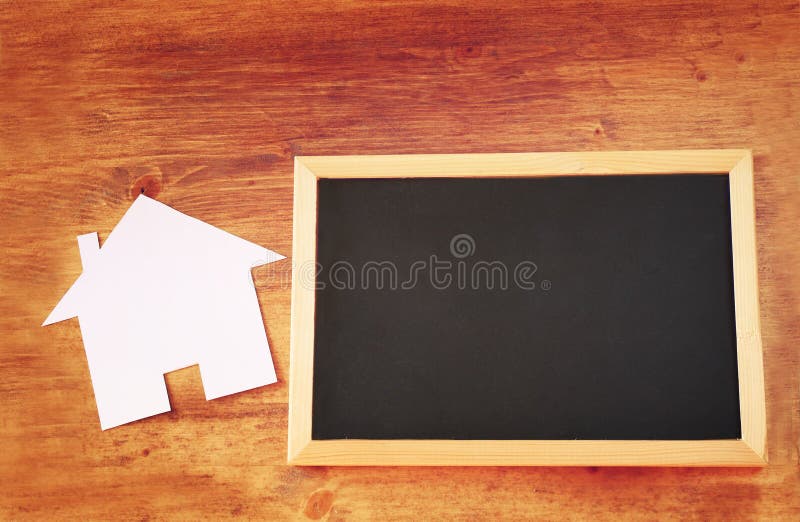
203 106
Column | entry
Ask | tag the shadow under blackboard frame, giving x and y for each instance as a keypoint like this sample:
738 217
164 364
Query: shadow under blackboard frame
737 164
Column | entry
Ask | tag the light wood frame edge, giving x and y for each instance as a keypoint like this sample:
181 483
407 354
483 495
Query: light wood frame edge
737 163
301 356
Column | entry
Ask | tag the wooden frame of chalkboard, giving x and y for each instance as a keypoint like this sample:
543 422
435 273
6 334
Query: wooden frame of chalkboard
749 450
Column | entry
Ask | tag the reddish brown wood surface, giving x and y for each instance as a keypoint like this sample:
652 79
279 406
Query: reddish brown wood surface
203 105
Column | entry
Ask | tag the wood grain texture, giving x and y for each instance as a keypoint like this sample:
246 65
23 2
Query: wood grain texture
529 452
526 164
203 106
737 164
749 347
304 273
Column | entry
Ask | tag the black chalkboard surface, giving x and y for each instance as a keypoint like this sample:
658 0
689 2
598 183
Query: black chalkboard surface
580 307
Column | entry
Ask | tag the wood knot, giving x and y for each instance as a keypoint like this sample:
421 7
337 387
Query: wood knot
318 504
701 76
605 128
149 184
469 51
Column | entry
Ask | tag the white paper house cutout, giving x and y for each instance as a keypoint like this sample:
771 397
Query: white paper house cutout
166 291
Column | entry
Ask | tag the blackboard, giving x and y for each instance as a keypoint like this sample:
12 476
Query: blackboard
573 307
624 330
